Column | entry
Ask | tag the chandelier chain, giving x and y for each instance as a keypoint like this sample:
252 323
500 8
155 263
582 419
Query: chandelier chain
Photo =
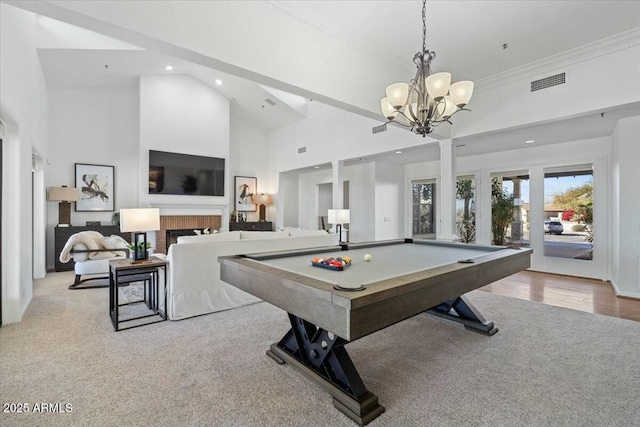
424 26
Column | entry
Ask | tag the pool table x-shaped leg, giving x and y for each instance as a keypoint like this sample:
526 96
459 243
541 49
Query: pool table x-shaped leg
321 356
460 310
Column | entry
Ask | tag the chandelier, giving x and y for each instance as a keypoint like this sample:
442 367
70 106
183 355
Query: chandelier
429 99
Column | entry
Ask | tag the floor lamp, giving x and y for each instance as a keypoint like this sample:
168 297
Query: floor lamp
339 217
139 221
65 195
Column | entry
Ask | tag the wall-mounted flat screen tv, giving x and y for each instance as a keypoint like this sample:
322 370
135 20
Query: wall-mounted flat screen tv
185 174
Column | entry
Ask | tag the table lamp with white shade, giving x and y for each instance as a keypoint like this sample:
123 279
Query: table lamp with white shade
139 221
339 217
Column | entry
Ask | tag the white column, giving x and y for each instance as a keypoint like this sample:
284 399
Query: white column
337 183
337 191
483 207
446 231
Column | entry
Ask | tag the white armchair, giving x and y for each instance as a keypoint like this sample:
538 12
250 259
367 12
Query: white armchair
91 252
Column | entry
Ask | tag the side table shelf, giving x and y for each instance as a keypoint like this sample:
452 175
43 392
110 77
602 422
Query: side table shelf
125 272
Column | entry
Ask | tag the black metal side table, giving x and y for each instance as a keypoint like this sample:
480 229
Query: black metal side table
124 271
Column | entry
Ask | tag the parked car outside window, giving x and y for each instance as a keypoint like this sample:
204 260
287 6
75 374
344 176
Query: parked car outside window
553 227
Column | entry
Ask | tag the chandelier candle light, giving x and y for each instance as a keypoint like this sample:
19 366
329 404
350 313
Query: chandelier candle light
429 99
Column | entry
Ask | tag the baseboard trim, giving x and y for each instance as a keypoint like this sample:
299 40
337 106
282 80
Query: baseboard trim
26 305
622 294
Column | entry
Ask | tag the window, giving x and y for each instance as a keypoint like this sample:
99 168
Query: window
510 209
466 209
568 212
423 208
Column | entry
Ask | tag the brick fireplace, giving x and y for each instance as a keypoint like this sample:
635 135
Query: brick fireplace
184 222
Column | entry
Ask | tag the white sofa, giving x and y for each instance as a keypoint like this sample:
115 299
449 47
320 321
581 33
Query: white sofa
194 286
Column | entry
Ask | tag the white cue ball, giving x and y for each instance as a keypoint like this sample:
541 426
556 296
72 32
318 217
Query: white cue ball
367 257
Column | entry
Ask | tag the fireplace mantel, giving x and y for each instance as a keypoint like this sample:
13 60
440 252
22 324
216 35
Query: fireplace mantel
184 222
185 210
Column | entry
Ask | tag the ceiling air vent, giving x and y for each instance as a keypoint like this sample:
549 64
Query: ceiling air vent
3 129
378 129
302 150
270 102
547 82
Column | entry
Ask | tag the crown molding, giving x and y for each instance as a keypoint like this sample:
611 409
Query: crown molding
606 46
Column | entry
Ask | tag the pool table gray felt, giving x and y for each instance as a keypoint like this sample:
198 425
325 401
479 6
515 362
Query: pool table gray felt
403 278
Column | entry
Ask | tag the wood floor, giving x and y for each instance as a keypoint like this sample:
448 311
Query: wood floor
593 296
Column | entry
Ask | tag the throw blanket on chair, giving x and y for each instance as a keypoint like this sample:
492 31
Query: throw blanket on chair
85 240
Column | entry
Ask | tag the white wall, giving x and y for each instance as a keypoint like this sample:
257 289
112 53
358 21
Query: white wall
625 207
362 198
95 126
512 104
23 105
287 200
249 156
325 201
389 201
330 134
118 125
308 197
181 115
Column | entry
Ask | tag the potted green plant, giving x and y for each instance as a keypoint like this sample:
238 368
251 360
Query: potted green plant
132 248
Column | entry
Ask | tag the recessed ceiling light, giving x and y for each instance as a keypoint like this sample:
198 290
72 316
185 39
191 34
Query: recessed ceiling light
316 167
530 141
218 82
169 67
398 152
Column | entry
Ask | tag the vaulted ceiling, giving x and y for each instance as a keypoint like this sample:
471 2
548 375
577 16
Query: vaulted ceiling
473 40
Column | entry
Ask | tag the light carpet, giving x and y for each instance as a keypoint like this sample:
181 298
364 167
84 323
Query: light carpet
547 366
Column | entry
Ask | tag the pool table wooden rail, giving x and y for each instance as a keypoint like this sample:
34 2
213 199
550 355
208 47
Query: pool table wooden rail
352 315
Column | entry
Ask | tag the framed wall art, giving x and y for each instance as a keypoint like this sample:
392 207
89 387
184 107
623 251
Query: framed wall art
96 185
245 188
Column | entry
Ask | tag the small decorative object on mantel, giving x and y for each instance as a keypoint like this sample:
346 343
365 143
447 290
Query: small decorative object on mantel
205 231
93 223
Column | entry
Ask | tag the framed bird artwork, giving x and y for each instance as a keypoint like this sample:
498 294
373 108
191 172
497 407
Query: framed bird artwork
245 188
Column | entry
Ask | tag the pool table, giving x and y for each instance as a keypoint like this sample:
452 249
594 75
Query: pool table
329 308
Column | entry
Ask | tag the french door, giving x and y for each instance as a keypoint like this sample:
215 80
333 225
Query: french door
423 204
